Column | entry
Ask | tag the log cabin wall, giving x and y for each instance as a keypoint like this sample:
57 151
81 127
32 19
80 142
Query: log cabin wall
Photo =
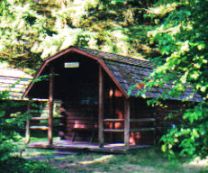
173 109
113 113
148 124
142 123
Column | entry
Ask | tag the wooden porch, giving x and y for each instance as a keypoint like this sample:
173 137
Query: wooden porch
66 145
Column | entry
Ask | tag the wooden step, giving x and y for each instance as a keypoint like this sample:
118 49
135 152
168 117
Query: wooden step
39 127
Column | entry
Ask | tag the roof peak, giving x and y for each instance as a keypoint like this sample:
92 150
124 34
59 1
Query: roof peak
118 58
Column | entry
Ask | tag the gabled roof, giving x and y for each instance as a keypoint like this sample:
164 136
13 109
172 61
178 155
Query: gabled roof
14 81
124 71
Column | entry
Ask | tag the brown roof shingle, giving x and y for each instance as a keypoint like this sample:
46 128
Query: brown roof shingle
14 82
130 72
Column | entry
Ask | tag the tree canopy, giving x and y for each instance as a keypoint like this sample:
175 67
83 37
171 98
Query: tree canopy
181 39
35 29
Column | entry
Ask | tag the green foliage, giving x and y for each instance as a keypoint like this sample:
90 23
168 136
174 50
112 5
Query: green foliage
8 126
11 141
180 37
190 137
19 165
33 30
138 161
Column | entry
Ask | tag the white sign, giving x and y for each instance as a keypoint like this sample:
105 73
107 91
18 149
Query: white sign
71 65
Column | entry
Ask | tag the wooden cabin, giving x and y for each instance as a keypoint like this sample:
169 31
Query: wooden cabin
14 81
99 105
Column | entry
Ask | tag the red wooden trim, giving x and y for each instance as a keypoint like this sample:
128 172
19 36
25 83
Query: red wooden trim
44 64
76 50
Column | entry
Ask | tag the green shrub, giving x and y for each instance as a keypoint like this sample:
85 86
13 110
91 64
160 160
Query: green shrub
20 165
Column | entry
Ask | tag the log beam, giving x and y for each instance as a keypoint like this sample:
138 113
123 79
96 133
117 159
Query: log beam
50 106
100 107
126 122
27 128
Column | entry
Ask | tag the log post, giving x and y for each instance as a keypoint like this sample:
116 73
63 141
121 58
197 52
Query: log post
126 122
27 128
100 107
50 106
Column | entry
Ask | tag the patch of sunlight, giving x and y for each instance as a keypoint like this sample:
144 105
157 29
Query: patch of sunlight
188 26
197 163
4 64
106 48
171 31
29 153
139 168
98 160
93 43
115 145
76 9
145 48
162 10
184 46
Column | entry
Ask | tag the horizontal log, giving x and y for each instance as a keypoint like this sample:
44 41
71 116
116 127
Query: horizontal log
113 130
87 128
142 129
39 118
113 120
39 100
43 118
80 124
38 127
81 118
143 120
38 111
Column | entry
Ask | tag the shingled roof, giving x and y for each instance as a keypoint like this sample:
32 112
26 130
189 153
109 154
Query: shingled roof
127 72
14 81
132 72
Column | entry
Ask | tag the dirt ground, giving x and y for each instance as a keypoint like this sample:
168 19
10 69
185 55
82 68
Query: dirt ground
139 161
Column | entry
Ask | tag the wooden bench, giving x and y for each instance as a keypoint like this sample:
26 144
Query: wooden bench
81 124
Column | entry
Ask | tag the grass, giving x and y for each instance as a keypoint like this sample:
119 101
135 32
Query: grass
139 161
